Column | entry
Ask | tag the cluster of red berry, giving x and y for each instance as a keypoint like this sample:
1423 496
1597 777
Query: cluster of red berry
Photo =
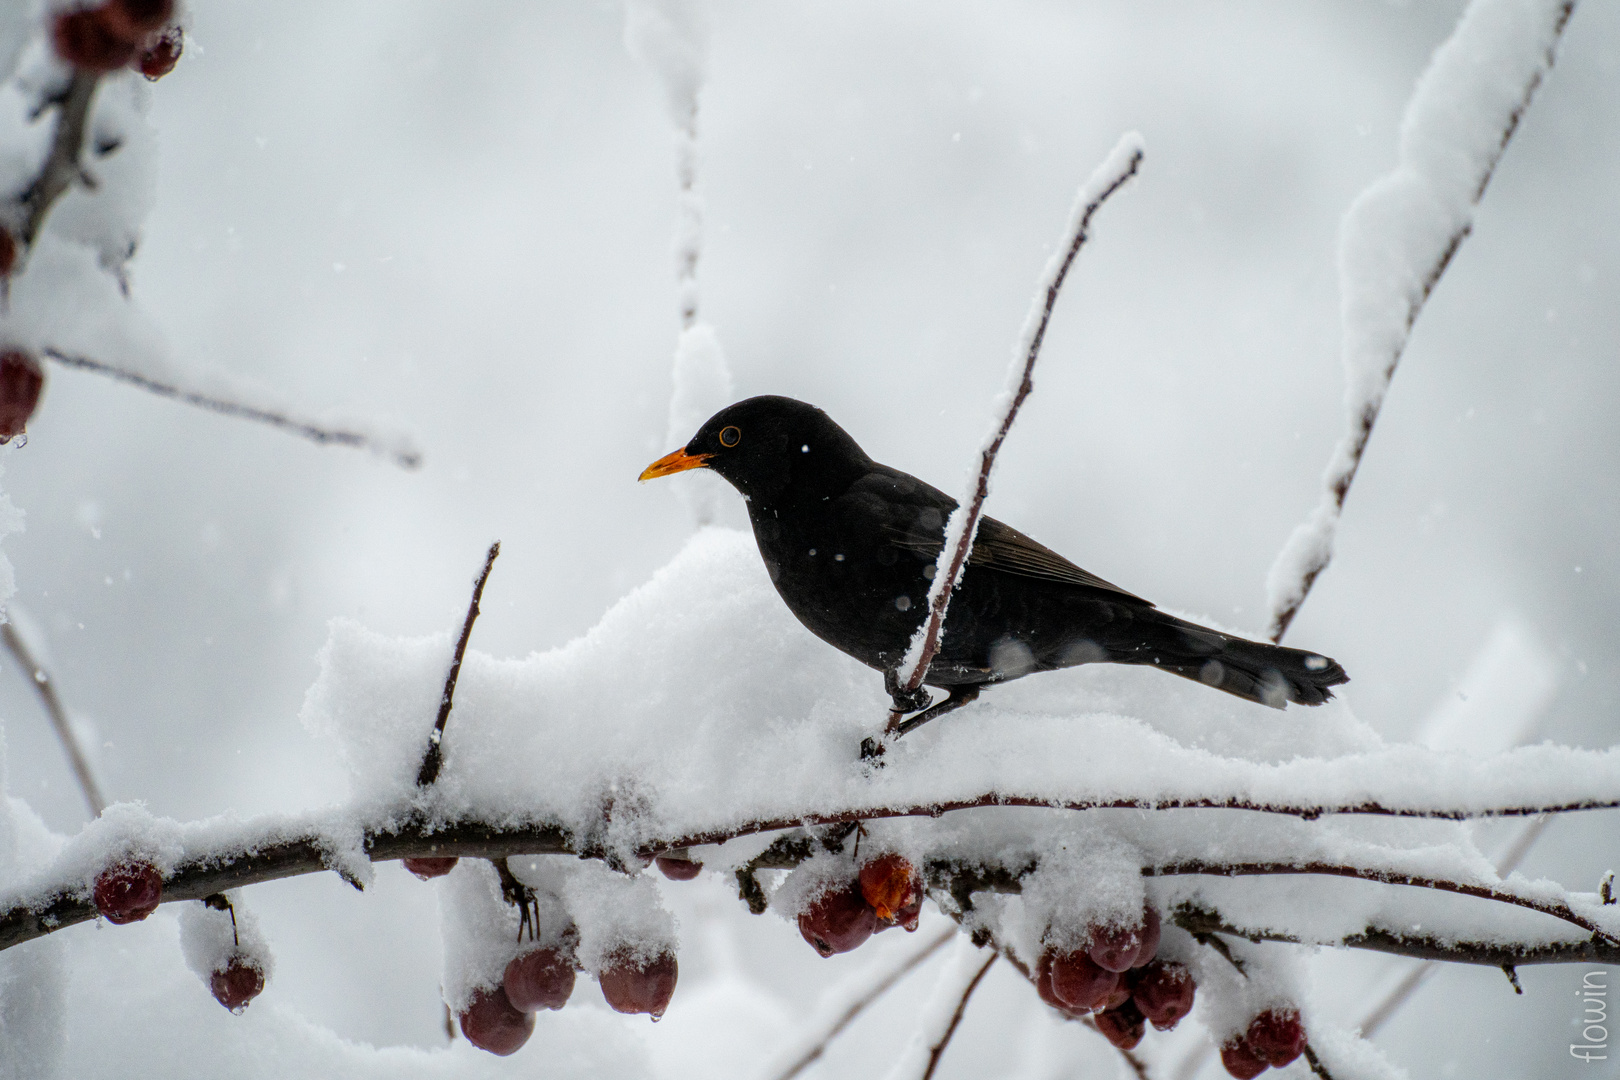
1118 980
887 892
136 33
132 890
1275 1038
500 1019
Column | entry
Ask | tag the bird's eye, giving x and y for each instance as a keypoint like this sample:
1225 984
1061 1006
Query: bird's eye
730 436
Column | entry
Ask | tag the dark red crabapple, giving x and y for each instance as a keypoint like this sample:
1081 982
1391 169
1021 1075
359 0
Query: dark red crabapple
894 889
1080 983
492 1023
432 866
1240 1060
21 380
134 20
1164 992
542 979
839 920
1276 1036
1043 987
1123 1026
1114 948
237 985
633 986
84 39
678 869
128 892
160 57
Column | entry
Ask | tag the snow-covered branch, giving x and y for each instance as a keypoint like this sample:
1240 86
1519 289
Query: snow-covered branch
433 759
62 168
234 401
1111 175
1401 233
45 687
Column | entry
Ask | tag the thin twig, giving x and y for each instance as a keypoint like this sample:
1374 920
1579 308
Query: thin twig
1556 908
937 1050
62 168
405 457
1121 165
1414 979
884 982
46 688
433 759
1309 549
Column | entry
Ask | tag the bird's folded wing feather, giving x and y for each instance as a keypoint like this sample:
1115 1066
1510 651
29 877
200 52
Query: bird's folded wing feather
999 546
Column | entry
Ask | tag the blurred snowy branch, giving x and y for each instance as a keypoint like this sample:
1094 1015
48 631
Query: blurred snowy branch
62 167
226 401
34 671
1400 234
1120 165
939 1017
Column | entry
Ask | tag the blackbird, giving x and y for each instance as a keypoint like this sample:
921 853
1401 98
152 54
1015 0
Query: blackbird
851 547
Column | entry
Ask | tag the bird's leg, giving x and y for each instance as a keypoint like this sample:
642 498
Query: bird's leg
960 696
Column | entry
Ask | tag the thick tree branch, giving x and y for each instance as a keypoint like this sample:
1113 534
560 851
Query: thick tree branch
1121 165
403 455
433 759
46 688
1556 908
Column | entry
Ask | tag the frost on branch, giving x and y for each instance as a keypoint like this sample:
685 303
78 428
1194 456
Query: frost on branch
1401 232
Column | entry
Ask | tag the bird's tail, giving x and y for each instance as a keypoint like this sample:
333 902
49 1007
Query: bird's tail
1254 670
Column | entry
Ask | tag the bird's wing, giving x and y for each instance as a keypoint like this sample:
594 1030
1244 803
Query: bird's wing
999 546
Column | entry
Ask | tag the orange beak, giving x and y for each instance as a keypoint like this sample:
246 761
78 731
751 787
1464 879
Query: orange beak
673 462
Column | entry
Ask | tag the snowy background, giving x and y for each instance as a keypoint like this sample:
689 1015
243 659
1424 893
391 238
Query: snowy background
463 223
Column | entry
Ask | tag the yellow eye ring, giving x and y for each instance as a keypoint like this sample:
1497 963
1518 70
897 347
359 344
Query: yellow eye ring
730 436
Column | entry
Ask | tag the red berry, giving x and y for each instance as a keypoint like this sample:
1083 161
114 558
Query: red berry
640 987
1115 948
491 1023
678 869
133 20
1043 987
20 383
237 985
160 57
431 866
1276 1036
128 892
8 252
541 979
1122 1026
1080 983
1150 937
839 920
85 40
1240 1060
1164 992
894 889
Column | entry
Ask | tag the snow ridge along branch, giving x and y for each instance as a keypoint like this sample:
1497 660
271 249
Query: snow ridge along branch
1400 234
1119 167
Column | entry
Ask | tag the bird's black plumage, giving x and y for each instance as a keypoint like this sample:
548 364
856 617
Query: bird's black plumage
851 545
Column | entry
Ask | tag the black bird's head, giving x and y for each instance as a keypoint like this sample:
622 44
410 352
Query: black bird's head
768 445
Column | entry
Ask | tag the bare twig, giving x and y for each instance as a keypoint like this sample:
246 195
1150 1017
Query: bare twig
937 1050
46 688
1121 165
404 456
1414 979
62 167
1556 908
433 759
881 983
1372 357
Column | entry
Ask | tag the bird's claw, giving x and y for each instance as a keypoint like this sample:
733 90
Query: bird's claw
905 701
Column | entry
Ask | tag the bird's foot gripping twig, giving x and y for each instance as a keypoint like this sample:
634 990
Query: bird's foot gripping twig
959 696
915 701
